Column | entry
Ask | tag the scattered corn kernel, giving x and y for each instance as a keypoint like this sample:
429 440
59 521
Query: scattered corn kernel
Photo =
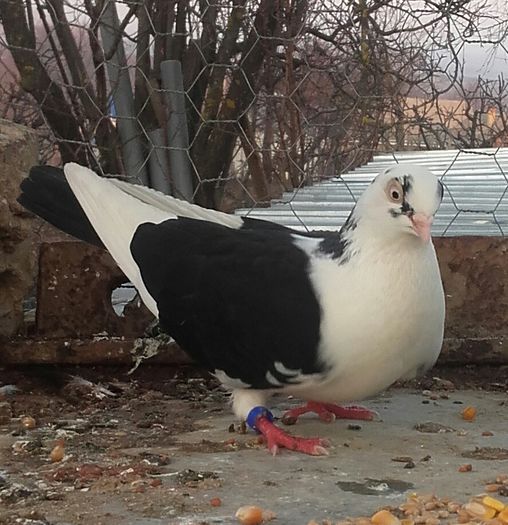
489 513
466 468
384 517
493 503
475 509
249 515
469 413
57 453
407 521
463 516
409 508
28 422
215 502
453 507
503 515
492 487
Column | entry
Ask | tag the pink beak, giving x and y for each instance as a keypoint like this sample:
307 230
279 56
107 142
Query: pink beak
421 225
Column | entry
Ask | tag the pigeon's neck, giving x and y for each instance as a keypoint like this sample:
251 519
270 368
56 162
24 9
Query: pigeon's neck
363 237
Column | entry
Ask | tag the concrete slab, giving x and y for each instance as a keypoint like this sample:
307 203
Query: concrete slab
300 488
117 439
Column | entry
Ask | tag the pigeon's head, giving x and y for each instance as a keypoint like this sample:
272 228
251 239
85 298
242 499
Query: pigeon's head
403 199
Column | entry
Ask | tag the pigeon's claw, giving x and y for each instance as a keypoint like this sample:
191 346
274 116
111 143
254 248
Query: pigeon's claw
328 412
276 438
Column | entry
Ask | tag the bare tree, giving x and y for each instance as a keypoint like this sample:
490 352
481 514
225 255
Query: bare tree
278 93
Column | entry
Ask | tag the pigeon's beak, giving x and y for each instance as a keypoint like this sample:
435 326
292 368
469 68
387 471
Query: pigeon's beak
421 225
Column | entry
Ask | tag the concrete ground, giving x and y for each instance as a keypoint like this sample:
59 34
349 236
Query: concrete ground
360 475
370 465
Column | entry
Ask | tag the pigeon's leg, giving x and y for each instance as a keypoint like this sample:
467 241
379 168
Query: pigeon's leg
261 420
328 412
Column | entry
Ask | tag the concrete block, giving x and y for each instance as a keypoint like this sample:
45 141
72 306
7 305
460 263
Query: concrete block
18 152
74 294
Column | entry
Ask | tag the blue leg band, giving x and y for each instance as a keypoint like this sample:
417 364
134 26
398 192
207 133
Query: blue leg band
256 413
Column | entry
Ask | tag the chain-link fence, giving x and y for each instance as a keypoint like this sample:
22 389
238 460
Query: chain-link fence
235 103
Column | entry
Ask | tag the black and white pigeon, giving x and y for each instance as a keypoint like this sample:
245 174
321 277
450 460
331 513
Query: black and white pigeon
328 317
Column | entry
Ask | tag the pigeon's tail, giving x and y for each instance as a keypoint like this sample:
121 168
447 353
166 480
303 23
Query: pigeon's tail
47 193
106 211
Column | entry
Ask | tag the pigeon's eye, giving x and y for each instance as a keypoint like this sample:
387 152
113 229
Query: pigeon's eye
394 192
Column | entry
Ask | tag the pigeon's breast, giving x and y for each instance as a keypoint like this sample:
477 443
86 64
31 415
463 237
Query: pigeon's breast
381 321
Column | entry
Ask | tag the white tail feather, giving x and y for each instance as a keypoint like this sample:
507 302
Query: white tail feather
116 208
115 216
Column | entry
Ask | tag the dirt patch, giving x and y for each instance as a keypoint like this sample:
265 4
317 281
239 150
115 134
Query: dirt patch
126 456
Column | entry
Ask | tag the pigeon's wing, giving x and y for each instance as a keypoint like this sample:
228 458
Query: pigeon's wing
240 301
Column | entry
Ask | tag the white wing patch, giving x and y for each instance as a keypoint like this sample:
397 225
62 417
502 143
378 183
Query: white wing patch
307 244
270 378
229 382
282 369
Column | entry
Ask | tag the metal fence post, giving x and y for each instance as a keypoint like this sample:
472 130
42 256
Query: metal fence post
158 162
128 128
178 137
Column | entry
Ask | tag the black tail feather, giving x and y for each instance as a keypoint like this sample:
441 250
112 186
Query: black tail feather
47 193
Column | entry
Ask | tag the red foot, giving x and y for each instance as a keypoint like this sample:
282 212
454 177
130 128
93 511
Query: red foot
275 437
328 412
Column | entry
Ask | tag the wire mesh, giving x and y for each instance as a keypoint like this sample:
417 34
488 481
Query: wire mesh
248 104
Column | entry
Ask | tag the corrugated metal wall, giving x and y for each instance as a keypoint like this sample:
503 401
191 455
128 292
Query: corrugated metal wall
475 200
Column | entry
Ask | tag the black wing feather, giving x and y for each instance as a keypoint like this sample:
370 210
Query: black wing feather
236 300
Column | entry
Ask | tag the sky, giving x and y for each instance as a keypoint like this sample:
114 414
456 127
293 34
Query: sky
486 61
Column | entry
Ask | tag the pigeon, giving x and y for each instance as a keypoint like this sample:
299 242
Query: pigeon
327 317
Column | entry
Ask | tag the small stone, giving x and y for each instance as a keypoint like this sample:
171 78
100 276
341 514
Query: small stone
402 459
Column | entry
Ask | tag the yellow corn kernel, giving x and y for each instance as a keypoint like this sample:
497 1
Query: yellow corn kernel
503 515
384 517
493 503
407 521
489 513
469 413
